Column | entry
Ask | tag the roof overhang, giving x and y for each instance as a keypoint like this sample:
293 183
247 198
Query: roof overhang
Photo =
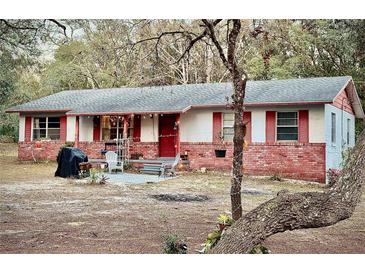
36 110
354 98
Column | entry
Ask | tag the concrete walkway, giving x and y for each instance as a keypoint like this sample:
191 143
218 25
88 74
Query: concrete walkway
132 178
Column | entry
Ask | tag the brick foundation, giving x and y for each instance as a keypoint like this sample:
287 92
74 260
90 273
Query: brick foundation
42 150
48 150
291 160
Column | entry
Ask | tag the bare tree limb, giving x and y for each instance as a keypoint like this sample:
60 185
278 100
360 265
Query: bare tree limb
299 210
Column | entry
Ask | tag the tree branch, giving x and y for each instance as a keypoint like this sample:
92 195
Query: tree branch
299 210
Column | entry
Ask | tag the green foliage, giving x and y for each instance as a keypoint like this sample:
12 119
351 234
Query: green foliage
211 240
259 249
173 245
99 54
225 219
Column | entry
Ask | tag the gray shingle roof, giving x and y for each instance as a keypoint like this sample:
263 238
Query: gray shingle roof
179 97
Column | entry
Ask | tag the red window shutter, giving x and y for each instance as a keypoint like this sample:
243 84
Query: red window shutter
137 128
303 126
270 126
63 128
96 130
217 126
28 129
247 121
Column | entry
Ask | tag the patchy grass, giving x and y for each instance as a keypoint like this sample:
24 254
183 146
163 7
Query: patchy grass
43 214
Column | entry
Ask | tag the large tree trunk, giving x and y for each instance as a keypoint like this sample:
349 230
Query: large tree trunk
299 210
239 86
238 139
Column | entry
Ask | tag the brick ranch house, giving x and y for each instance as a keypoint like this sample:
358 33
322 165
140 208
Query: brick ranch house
295 128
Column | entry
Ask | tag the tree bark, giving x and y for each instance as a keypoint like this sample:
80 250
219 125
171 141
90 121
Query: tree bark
239 79
299 210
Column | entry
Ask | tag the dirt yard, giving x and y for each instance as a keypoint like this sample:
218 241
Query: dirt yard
43 214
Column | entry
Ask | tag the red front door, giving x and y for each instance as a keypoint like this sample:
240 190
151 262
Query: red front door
167 133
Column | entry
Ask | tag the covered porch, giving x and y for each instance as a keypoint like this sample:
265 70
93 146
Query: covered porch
138 139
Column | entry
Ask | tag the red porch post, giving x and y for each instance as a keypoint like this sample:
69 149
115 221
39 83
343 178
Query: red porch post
125 127
77 126
177 143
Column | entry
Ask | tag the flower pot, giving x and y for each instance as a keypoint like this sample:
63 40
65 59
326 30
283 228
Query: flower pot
220 153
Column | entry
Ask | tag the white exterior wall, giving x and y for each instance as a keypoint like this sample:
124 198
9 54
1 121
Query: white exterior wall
71 126
334 150
196 126
258 125
149 129
86 127
21 128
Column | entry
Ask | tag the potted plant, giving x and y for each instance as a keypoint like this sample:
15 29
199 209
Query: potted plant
220 151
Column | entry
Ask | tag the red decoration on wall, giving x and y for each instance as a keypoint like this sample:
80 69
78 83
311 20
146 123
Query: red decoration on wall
270 126
63 128
303 126
217 127
28 129
96 130
137 128
247 121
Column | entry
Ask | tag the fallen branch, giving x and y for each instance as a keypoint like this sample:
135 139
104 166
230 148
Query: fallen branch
299 210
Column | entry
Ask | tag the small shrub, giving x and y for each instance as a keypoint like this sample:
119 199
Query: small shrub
173 245
94 176
225 219
332 176
259 249
276 177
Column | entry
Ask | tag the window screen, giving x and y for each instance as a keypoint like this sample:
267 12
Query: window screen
287 126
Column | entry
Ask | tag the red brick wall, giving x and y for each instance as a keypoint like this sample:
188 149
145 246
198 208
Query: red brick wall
92 149
42 150
149 150
291 160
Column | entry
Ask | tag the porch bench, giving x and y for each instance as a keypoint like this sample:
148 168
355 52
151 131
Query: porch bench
155 169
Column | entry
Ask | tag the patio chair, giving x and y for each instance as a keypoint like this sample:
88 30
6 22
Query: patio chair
169 168
112 161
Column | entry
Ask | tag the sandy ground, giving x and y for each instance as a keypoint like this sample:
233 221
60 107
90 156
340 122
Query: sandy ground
43 214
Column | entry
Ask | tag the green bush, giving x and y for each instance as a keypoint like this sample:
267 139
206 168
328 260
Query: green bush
173 245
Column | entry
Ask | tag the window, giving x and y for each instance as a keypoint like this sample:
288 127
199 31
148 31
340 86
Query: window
348 132
287 126
333 128
228 122
46 127
109 127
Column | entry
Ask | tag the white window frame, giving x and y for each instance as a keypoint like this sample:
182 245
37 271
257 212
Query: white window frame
222 132
33 128
276 126
348 121
333 136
